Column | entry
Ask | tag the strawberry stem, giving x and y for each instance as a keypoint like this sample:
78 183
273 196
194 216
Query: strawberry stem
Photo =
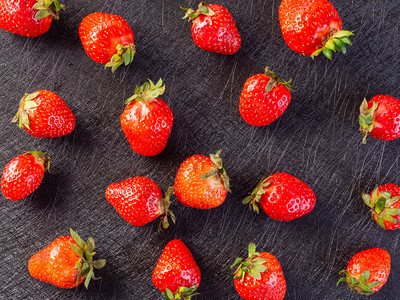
165 211
48 8
217 171
359 286
124 55
335 42
191 14
147 92
366 119
276 79
255 196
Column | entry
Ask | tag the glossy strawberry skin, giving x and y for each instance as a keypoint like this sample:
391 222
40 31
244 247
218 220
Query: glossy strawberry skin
395 191
259 108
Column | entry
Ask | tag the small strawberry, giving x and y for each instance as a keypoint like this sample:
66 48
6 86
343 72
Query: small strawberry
139 201
283 197
367 271
310 27
66 262
202 182
176 274
147 120
384 202
264 98
23 175
29 18
380 117
44 114
213 28
259 276
107 39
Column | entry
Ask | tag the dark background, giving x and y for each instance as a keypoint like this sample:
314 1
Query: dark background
316 140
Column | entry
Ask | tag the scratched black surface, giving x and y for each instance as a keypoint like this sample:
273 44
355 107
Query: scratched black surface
316 140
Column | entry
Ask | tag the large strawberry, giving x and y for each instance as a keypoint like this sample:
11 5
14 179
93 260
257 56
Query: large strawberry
66 262
139 201
44 114
259 276
367 271
310 27
107 39
147 120
202 182
283 197
264 98
380 117
176 274
23 175
29 18
213 28
384 202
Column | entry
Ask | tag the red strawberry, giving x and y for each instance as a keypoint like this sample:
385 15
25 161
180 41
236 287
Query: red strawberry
264 98
23 175
107 39
213 28
66 262
381 118
385 205
310 27
147 120
44 114
367 271
283 197
29 18
259 276
176 274
139 201
202 182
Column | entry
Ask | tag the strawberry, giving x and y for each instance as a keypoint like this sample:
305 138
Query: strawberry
66 262
176 274
310 27
147 120
29 18
202 182
380 117
264 98
139 201
367 271
283 197
259 276
44 114
107 39
213 28
23 175
384 202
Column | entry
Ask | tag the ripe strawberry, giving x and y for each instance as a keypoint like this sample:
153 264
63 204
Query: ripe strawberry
367 271
139 201
176 274
147 120
385 205
66 262
283 197
213 28
380 117
44 114
259 276
310 27
202 182
107 39
264 98
29 18
23 175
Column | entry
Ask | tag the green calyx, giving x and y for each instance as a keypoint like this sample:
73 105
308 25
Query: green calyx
191 14
276 79
185 293
218 171
381 207
359 286
366 118
255 196
147 92
26 103
85 264
165 211
253 265
336 42
48 8
124 55
40 158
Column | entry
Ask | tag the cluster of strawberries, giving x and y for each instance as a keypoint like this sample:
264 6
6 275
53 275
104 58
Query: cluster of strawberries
309 28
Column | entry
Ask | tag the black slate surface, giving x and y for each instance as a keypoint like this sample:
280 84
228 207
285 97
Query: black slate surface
316 140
